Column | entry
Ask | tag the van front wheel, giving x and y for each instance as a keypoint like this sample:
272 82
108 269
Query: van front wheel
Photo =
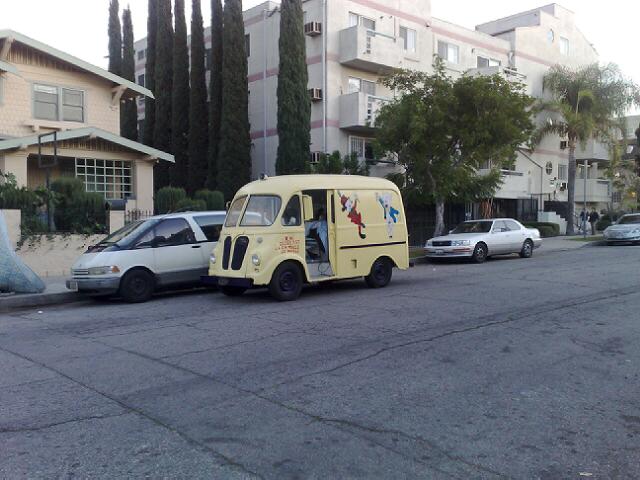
286 283
380 275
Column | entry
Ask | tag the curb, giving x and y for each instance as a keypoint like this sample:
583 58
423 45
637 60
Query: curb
38 300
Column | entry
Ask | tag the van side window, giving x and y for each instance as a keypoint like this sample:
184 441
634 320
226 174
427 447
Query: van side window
173 231
292 216
146 240
210 226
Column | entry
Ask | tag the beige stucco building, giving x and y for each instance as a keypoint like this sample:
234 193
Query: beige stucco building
351 43
44 91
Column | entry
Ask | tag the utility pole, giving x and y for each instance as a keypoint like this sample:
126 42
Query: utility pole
584 220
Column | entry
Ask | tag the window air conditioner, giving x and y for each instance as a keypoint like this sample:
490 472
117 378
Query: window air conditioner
315 157
313 29
316 94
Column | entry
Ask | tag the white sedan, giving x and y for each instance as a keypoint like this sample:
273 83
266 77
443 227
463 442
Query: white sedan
480 239
626 229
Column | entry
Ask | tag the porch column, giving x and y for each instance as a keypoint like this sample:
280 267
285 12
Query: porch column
143 185
15 163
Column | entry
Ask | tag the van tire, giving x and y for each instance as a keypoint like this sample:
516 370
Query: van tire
232 291
137 286
286 282
380 275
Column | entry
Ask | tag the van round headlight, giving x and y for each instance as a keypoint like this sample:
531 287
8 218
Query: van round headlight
255 259
212 258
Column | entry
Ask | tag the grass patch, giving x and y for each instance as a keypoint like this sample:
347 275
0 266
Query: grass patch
592 238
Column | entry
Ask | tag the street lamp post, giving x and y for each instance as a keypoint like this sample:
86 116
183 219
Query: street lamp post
584 220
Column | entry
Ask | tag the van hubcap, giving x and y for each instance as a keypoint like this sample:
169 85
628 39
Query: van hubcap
287 281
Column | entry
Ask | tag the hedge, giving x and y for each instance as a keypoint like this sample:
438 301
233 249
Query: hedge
168 198
547 229
213 199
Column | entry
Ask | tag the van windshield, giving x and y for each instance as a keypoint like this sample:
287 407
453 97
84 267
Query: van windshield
261 211
234 212
126 234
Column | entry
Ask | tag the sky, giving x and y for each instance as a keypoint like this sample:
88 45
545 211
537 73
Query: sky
84 34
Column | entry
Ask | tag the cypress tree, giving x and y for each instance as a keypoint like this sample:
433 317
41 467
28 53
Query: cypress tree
180 100
215 92
115 38
198 113
164 87
150 74
294 104
128 111
234 154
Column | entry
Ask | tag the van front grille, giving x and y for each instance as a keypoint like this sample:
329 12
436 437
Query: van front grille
226 253
239 251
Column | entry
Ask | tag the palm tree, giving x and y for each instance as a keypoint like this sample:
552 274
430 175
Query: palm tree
585 104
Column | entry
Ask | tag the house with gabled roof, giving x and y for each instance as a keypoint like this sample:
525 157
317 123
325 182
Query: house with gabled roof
60 115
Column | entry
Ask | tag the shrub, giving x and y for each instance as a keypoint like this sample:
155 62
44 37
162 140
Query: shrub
167 199
214 200
75 210
603 223
190 204
547 229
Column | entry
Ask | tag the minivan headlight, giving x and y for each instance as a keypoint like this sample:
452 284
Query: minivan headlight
255 259
103 270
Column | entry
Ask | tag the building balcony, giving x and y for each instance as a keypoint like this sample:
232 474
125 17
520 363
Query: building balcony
506 72
514 184
598 191
358 111
370 51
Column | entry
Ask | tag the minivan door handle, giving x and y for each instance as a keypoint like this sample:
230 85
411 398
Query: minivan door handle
196 246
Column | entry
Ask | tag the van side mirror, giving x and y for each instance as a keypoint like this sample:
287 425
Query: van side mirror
307 207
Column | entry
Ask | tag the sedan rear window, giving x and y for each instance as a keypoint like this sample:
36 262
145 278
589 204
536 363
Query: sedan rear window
210 226
629 219
474 227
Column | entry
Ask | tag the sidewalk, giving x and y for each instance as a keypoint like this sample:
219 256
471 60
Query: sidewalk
562 244
56 293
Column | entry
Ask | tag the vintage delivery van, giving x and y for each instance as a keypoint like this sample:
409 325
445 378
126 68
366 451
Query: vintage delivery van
285 231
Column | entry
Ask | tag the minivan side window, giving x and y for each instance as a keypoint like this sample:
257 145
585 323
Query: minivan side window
292 216
172 232
210 226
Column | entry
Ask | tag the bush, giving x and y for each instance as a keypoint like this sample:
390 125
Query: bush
167 199
192 205
75 210
547 229
603 223
214 200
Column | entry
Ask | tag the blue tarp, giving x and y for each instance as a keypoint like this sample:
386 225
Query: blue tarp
15 276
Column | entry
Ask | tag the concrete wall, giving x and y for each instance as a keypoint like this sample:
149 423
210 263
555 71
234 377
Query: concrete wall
13 218
53 256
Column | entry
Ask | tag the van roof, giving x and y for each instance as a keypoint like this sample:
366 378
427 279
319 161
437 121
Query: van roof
291 183
188 214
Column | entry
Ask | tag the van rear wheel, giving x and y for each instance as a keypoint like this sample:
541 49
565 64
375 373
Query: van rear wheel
286 283
380 274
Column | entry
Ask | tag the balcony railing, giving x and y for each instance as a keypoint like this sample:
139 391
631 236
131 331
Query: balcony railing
369 50
358 111
598 190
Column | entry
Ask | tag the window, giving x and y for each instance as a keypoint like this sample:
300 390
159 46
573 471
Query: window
141 54
549 168
210 226
247 44
141 79
562 172
484 62
499 226
111 178
360 85
551 36
448 52
261 211
173 232
408 37
355 19
564 46
234 212
362 147
511 225
54 103
292 216
1 89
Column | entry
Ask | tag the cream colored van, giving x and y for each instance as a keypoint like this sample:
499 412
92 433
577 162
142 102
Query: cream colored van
286 231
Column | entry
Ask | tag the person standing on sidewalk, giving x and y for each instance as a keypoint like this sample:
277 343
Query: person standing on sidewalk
593 219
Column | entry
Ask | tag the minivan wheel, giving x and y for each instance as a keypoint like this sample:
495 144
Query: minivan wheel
137 286
286 283
232 291
527 249
380 274
480 253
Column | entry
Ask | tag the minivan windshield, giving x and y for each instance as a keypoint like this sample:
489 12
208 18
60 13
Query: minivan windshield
474 227
234 212
126 234
627 219
261 211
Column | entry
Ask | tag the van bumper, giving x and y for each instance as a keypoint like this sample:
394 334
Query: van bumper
226 281
94 285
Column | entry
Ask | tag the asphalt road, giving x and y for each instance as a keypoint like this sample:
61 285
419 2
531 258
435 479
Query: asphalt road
513 369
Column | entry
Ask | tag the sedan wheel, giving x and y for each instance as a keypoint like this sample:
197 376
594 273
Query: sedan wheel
527 249
480 253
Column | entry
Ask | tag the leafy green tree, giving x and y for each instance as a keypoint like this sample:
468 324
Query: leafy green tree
150 74
294 104
115 38
329 164
354 166
180 99
585 105
164 87
215 92
234 155
198 113
443 131
128 110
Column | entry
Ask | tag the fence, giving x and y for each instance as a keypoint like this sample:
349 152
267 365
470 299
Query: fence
135 215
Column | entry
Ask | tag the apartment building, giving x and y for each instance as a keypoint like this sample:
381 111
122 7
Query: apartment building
44 91
351 44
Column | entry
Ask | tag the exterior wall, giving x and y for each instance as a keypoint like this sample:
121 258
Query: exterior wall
12 219
53 256
16 110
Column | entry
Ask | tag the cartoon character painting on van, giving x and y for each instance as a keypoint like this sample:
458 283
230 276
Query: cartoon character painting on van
390 213
350 205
